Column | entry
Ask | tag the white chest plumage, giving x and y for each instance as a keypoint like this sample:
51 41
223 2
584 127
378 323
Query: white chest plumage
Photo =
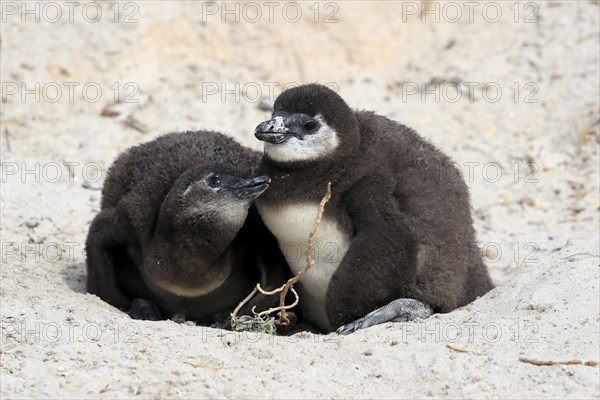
291 225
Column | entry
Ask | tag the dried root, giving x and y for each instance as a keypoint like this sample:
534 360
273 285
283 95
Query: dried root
283 317
256 323
457 349
262 322
591 363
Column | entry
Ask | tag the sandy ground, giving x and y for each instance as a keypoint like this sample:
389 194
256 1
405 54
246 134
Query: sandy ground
528 151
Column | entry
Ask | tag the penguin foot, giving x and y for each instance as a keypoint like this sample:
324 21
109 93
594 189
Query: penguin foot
399 310
145 310
220 320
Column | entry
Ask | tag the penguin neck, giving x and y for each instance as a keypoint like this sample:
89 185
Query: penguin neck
203 239
295 179
200 233
191 259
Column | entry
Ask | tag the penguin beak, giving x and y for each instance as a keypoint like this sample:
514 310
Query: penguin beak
273 131
249 188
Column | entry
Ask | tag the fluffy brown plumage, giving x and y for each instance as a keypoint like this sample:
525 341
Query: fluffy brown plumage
165 236
401 200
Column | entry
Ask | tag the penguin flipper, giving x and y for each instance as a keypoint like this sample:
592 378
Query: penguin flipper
380 264
399 310
109 229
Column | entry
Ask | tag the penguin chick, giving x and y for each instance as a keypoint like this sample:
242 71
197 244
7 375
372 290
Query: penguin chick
397 238
174 234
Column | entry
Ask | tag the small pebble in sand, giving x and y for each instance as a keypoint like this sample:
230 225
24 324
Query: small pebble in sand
90 185
31 223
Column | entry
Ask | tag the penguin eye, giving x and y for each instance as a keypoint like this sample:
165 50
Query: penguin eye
214 181
310 125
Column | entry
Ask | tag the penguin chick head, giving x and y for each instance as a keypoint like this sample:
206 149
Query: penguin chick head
309 123
215 198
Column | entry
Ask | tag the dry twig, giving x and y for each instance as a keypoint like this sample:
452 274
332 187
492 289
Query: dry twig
136 124
259 318
107 111
591 363
261 314
458 349
283 317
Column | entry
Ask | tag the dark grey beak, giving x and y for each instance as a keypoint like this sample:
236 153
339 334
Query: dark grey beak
250 188
273 131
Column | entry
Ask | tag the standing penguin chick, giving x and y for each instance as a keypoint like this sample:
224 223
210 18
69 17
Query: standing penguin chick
173 235
397 239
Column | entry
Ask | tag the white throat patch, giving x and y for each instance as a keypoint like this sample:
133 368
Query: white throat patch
313 147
